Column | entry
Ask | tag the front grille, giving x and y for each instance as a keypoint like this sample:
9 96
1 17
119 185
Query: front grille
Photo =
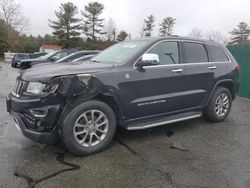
17 91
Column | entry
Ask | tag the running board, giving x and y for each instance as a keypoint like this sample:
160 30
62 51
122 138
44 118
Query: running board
164 121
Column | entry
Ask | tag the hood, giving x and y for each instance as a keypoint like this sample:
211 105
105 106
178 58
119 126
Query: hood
46 72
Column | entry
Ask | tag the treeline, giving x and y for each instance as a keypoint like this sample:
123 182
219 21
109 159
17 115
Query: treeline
87 29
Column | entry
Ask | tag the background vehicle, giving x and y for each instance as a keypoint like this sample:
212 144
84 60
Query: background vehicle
84 58
135 84
50 57
77 55
18 57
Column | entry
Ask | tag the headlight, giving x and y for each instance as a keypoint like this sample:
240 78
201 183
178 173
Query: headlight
35 88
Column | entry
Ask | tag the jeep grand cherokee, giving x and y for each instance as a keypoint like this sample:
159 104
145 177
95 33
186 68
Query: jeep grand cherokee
135 84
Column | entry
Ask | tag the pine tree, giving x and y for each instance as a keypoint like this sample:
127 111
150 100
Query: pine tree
122 36
93 25
67 26
240 34
166 27
149 25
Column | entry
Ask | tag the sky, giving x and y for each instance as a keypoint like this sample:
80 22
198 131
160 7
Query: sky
205 15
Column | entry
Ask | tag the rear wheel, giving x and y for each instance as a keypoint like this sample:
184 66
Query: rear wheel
220 105
89 128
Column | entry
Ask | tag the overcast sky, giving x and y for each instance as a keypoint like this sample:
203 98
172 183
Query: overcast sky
206 15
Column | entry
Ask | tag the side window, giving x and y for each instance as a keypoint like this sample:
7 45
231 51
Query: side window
217 53
167 51
195 52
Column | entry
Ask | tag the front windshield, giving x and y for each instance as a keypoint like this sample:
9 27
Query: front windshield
45 57
65 58
120 52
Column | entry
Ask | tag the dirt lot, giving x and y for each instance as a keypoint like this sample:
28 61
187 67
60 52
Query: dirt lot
218 154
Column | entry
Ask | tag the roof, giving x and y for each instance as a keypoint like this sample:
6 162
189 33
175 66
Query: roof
51 46
175 37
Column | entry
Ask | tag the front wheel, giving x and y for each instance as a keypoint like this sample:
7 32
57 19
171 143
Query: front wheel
220 105
89 128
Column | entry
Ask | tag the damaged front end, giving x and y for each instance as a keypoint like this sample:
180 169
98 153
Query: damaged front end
39 107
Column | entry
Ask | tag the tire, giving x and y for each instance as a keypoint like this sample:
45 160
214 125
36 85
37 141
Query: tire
79 125
219 106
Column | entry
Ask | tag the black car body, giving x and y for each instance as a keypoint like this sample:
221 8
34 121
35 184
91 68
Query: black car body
18 57
135 84
50 57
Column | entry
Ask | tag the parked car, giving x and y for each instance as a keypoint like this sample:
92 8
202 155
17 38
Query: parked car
84 58
77 55
84 55
134 84
18 57
50 57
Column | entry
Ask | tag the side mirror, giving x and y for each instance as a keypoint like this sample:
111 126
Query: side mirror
148 60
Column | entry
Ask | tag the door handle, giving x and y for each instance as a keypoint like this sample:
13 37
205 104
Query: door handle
212 67
177 70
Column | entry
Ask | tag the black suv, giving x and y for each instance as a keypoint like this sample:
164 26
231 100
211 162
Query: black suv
134 84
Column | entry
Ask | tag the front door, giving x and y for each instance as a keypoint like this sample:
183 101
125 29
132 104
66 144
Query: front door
157 89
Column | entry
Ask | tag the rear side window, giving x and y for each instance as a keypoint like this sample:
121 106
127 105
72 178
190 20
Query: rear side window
217 53
195 52
167 52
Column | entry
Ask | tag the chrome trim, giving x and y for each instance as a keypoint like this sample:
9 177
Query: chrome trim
177 70
180 64
17 124
163 123
38 115
212 67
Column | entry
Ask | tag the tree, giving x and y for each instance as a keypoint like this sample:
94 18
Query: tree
149 25
142 32
67 26
12 14
216 36
15 21
240 34
110 30
49 39
166 27
122 36
196 33
3 37
93 25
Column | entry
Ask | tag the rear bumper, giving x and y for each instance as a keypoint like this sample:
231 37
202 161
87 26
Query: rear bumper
38 129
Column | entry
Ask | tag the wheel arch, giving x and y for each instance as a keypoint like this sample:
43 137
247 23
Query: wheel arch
227 83
106 97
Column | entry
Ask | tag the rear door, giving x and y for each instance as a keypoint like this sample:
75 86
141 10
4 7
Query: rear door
200 74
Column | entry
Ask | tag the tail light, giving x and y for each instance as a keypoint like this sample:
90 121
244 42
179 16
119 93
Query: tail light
237 68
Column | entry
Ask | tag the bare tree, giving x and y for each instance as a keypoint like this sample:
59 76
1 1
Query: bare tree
196 33
12 14
142 32
110 30
216 36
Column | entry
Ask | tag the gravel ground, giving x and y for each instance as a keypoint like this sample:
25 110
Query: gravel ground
218 154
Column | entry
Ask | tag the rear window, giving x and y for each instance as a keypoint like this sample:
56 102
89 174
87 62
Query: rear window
217 53
195 52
